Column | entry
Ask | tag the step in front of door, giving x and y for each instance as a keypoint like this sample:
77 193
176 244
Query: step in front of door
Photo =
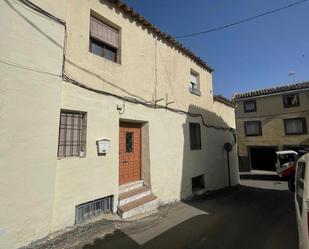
133 195
131 186
142 205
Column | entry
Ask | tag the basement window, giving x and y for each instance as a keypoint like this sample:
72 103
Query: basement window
93 208
198 183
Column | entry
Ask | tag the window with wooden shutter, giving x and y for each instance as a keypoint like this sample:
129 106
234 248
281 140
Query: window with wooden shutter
194 86
104 40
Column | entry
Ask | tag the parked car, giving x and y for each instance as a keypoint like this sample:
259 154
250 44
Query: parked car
286 165
302 200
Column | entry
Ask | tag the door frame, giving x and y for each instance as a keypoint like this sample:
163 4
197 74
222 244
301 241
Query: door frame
140 126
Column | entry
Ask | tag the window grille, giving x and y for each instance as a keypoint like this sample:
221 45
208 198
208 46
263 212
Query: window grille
72 134
93 208
129 142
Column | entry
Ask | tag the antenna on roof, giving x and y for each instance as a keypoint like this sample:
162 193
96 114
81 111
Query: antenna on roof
292 75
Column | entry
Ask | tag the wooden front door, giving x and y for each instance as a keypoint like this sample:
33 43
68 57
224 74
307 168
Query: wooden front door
129 152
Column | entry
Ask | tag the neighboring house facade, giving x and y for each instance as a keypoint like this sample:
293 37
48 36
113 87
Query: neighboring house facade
269 120
132 107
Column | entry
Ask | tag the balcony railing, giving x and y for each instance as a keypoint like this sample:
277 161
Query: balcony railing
195 91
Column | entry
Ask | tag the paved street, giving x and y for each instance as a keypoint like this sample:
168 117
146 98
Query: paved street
257 215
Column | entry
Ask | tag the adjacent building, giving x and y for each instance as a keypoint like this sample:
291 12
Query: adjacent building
96 102
271 119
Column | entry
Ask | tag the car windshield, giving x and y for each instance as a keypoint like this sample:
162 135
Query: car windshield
286 158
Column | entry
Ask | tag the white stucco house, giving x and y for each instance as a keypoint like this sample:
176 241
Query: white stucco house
101 112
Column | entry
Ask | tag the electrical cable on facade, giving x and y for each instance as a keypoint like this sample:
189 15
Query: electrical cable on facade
241 21
131 100
41 11
146 104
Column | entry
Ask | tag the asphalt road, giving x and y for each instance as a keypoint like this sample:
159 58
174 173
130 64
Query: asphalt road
257 215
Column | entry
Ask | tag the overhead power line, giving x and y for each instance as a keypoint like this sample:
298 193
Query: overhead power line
14 64
241 21
32 6
86 87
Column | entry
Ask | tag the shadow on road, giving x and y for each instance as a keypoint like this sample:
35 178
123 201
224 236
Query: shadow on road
240 218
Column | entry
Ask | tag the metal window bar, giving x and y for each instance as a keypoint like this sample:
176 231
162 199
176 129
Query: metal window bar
71 134
93 208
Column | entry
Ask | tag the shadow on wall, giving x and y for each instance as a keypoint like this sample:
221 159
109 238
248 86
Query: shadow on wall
205 167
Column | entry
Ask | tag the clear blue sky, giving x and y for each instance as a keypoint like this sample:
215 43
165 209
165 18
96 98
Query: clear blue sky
250 56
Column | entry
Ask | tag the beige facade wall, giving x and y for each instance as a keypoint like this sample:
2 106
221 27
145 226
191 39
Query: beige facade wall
225 113
30 94
271 112
171 162
47 189
135 76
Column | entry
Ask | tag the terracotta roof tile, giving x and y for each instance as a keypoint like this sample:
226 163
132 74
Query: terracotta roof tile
164 36
224 100
278 89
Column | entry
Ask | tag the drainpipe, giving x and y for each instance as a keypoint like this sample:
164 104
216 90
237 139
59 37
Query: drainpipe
228 148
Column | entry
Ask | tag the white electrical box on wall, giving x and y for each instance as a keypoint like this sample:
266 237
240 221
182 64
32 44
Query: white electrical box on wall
103 146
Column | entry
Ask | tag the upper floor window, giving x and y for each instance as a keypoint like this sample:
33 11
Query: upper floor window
250 106
194 86
104 40
195 136
295 126
72 134
253 128
290 100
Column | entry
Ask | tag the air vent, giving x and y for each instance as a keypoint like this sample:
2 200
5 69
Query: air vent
198 184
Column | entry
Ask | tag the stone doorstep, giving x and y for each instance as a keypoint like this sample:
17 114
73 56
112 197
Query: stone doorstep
138 206
130 186
132 195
